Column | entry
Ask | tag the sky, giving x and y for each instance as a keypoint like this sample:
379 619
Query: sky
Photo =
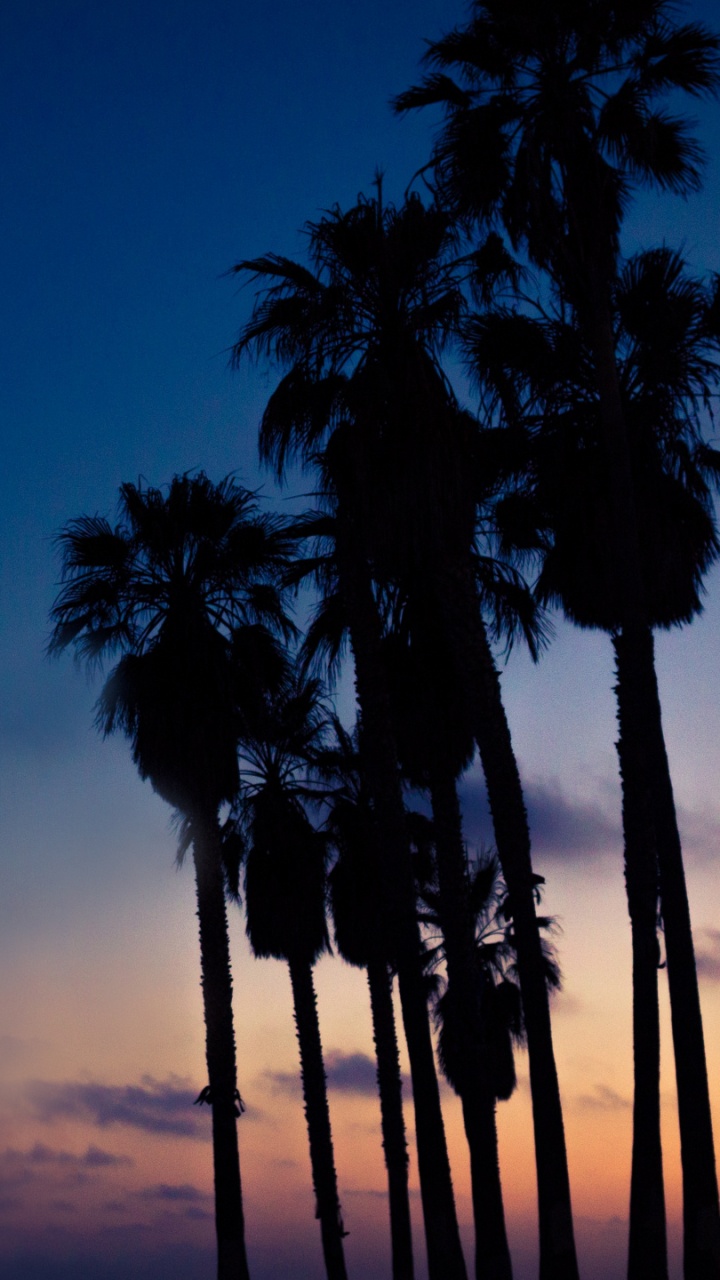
148 146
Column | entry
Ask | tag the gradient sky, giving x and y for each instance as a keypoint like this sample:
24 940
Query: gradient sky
148 145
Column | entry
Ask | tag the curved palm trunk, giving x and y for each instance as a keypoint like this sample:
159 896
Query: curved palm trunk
492 1255
317 1114
700 1194
379 763
458 599
391 1111
220 1050
647 1250
701 1212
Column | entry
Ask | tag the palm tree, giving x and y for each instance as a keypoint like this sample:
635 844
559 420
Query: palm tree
353 884
555 116
666 339
339 330
362 336
285 857
436 744
181 589
497 967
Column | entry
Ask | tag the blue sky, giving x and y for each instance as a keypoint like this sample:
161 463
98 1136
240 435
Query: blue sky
147 147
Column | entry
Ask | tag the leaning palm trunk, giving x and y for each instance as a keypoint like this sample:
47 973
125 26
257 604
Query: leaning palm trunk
701 1213
391 1112
317 1115
220 1049
492 1255
458 599
380 766
647 1250
700 1194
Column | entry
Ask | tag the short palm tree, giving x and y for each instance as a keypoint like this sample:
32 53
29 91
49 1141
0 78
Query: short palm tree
359 938
285 855
436 744
181 589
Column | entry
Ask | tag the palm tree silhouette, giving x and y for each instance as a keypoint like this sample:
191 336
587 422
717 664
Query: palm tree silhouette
359 938
435 741
181 589
361 336
357 361
285 856
667 339
554 118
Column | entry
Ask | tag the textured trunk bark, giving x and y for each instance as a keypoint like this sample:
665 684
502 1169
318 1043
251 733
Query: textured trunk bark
458 596
220 1049
379 756
701 1250
647 1251
492 1255
391 1111
317 1114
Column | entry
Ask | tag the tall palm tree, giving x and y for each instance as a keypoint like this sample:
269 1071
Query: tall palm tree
181 589
666 336
361 337
353 884
350 351
553 118
285 855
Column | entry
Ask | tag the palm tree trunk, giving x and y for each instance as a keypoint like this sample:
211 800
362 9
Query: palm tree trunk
647 1251
701 1251
701 1213
317 1114
492 1255
379 757
220 1050
458 598
391 1112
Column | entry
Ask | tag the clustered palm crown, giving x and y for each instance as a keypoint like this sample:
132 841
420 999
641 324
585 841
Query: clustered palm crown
561 102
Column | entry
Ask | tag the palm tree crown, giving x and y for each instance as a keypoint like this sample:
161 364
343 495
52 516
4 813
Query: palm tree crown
172 587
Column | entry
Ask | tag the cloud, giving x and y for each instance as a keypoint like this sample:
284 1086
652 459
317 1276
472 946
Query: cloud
561 826
345 1072
40 1155
183 1191
707 954
604 1099
154 1106
351 1073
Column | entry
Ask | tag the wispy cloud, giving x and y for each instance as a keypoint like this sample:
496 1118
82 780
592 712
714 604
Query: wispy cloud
183 1191
351 1072
561 825
346 1073
604 1099
47 1157
154 1106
